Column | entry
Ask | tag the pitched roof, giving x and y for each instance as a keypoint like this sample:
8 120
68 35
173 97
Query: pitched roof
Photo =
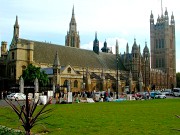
45 53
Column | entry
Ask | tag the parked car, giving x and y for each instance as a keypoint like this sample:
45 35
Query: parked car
154 93
160 95
16 96
167 92
176 92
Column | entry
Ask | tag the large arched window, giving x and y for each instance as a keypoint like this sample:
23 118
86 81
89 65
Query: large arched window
69 70
76 84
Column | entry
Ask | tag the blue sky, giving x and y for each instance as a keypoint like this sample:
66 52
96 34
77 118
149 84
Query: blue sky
48 20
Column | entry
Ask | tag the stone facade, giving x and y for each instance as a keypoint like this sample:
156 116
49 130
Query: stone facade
92 69
72 39
163 48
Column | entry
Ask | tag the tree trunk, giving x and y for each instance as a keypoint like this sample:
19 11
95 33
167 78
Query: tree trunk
28 132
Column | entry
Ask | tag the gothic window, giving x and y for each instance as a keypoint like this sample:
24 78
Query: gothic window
162 41
72 41
69 70
65 82
156 63
160 64
159 43
163 64
156 43
12 55
76 84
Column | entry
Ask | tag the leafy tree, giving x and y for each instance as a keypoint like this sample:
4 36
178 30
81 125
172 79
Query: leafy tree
178 79
32 72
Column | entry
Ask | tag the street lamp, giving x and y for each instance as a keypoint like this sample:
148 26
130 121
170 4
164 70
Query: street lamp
146 58
117 77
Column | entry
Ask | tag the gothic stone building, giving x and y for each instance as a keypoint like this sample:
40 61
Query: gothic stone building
163 50
95 70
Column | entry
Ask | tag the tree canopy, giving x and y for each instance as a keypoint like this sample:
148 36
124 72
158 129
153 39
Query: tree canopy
31 73
178 79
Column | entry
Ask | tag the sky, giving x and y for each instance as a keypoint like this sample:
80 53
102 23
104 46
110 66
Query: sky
122 20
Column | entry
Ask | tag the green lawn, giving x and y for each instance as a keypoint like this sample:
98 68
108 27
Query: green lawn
151 117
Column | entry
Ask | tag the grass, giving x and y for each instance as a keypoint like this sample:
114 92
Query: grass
151 117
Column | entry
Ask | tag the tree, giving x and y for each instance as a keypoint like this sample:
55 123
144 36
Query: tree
178 79
31 73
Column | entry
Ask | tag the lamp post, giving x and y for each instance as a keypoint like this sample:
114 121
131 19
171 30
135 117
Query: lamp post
117 77
146 58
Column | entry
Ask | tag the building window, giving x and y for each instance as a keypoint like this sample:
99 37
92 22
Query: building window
157 63
76 84
156 43
163 64
162 41
65 83
23 68
159 43
160 64
12 55
69 70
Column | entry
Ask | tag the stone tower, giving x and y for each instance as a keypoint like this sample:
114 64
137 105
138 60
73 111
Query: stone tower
146 65
96 44
136 56
56 70
163 47
72 38
4 50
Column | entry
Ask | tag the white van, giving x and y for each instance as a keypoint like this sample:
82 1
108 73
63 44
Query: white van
176 92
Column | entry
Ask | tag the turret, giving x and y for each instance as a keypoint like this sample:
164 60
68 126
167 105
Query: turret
146 51
3 48
96 44
172 19
105 48
56 70
151 18
166 16
127 49
56 64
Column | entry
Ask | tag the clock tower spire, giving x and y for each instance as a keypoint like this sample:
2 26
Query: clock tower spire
72 38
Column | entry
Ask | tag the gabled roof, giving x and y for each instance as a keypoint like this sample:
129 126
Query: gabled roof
45 53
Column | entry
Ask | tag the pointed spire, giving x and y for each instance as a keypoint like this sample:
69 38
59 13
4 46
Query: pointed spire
16 29
172 19
16 22
127 49
73 15
96 35
161 8
56 60
73 11
96 44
